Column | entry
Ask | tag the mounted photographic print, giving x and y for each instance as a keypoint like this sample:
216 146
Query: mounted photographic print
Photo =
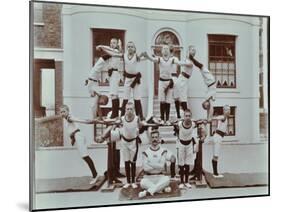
140 105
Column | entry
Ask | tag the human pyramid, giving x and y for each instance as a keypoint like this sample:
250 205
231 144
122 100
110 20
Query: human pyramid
124 128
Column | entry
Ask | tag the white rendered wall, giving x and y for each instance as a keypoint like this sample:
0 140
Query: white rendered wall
62 162
142 28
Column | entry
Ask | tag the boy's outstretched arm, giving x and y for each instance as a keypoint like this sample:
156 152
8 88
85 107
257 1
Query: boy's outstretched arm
152 59
109 51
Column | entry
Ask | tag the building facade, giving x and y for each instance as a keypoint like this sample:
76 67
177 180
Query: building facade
229 45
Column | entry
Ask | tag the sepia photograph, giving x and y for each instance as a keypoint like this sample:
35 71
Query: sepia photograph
139 105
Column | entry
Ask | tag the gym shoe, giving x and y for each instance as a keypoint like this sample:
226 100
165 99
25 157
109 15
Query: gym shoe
117 181
167 189
181 186
188 185
127 185
194 178
162 122
218 176
142 194
134 185
93 181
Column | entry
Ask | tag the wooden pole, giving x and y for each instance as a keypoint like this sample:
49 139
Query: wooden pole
110 166
200 182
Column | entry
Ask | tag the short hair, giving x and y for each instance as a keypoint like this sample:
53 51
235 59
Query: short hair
114 39
226 107
204 105
133 44
64 107
191 46
187 110
154 131
129 104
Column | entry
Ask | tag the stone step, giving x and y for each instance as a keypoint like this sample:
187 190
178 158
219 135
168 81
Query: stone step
166 132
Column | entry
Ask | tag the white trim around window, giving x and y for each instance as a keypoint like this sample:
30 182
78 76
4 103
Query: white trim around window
48 53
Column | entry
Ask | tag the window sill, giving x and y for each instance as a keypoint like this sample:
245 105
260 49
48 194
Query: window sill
228 90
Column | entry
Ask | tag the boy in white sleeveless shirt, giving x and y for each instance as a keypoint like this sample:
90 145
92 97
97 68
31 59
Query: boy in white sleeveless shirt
78 139
218 137
187 146
132 77
165 92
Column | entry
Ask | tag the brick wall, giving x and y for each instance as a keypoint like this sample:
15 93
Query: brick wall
48 131
48 34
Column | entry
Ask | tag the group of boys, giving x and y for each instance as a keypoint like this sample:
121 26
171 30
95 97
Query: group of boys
125 128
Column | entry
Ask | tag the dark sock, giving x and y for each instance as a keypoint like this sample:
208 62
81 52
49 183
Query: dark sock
162 111
184 105
186 172
114 157
173 169
117 162
215 167
125 101
127 169
197 63
133 169
115 108
91 165
138 106
167 111
177 105
181 172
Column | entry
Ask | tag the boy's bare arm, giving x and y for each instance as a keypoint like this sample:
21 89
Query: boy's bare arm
82 121
109 51
92 121
182 63
142 57
152 59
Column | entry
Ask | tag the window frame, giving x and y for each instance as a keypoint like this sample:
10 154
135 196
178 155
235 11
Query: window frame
213 40
234 110
122 32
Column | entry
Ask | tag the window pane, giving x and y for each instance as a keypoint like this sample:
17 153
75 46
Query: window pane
103 37
48 90
231 121
222 51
